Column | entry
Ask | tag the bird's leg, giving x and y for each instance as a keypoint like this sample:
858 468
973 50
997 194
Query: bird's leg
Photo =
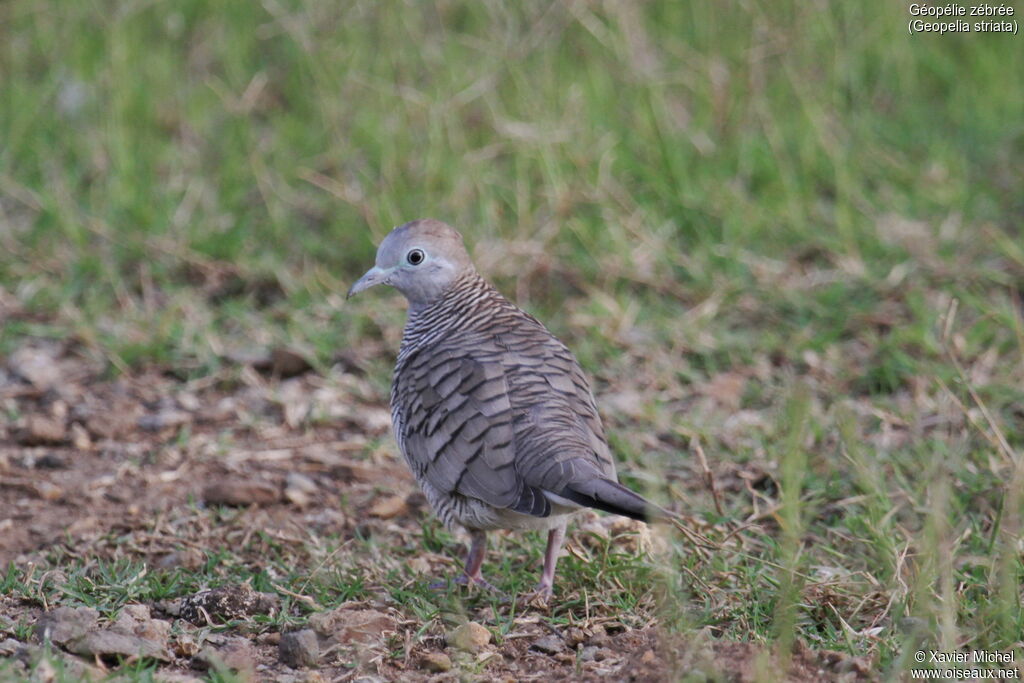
545 588
471 575
475 557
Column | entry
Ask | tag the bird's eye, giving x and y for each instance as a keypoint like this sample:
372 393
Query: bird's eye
414 257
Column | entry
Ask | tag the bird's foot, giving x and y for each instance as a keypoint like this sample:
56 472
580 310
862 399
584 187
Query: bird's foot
538 597
466 580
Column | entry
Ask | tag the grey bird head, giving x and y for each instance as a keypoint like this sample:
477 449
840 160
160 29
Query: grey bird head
421 259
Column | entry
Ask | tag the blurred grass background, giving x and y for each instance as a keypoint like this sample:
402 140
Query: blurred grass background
789 193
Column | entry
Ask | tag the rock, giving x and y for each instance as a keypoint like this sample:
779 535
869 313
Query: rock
185 645
285 362
436 662
281 361
47 491
389 507
272 638
299 489
40 430
238 492
471 637
163 420
549 645
648 657
347 625
50 461
134 633
9 647
111 424
134 620
224 604
588 653
299 648
65 624
235 655
106 643
574 635
38 367
80 438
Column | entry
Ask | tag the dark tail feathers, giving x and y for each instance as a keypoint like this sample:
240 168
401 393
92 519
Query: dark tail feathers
611 496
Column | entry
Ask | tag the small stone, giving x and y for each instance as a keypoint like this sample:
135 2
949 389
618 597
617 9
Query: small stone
471 637
65 624
574 635
436 662
237 655
50 461
272 638
104 643
549 645
165 419
389 507
40 429
299 489
285 362
38 367
240 493
48 491
346 625
588 653
135 620
80 438
184 645
299 648
648 657
9 647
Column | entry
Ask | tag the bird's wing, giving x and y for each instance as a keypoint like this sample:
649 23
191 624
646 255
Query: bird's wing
500 418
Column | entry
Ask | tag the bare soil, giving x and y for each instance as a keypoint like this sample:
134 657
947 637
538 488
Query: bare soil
143 467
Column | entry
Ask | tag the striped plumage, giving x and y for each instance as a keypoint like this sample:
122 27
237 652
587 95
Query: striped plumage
492 413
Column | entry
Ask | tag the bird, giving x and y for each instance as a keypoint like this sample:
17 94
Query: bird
493 414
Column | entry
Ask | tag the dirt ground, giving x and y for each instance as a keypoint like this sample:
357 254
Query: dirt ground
263 456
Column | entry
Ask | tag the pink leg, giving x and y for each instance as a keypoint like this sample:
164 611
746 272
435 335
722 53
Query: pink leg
471 575
547 579
475 557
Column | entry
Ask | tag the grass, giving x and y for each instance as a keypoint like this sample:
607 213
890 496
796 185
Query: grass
781 198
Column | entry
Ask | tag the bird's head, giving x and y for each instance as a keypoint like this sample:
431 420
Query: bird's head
421 259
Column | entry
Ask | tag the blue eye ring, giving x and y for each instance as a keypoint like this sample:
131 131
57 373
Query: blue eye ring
415 257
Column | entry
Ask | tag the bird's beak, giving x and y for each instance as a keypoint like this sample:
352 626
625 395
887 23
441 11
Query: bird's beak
374 276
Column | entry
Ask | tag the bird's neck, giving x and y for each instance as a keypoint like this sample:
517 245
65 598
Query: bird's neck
459 307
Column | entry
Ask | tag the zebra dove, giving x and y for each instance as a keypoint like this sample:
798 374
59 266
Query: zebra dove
492 413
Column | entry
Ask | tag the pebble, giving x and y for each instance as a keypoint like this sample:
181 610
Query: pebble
389 507
549 645
346 625
240 492
299 648
471 637
436 662
40 429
